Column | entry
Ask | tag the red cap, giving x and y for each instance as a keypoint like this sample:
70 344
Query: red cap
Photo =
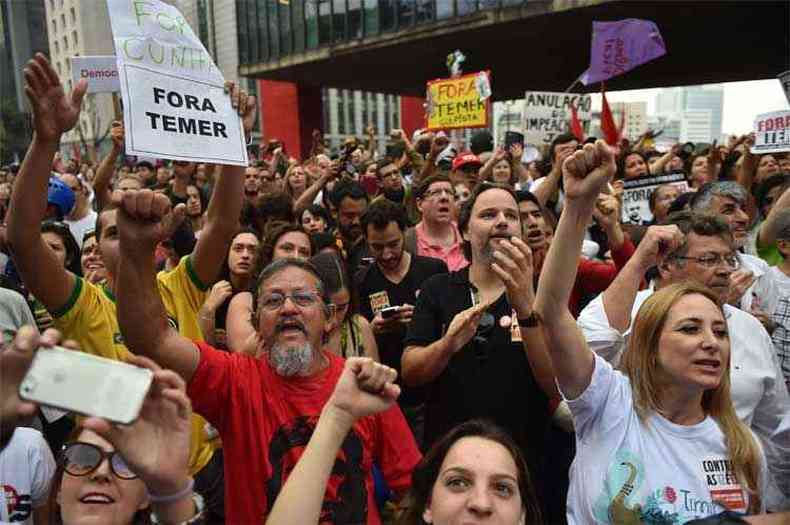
465 159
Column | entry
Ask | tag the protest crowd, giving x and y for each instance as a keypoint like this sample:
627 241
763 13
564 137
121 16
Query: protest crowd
415 332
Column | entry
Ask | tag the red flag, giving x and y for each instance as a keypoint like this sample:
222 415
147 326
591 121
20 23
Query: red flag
576 125
609 129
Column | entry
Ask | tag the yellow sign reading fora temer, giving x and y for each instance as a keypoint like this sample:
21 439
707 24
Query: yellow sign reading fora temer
457 103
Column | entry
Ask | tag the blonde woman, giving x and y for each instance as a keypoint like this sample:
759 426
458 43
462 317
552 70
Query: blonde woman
296 181
659 440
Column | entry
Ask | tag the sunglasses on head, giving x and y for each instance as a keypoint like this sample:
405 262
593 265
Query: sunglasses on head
80 459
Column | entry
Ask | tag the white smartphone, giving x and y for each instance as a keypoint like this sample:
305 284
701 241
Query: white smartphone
86 384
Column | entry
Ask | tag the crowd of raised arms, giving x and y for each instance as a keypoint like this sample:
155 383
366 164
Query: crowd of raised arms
434 335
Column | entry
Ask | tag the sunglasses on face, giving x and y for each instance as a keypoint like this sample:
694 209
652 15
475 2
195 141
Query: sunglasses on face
80 459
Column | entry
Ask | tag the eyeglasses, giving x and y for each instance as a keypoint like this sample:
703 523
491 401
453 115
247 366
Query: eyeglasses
80 459
438 193
711 260
275 301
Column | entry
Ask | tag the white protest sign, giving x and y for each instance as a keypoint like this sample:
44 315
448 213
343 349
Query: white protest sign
784 79
772 132
175 106
637 192
548 114
101 72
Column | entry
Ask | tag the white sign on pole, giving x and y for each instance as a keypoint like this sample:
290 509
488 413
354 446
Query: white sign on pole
784 79
175 106
101 72
548 114
772 132
637 192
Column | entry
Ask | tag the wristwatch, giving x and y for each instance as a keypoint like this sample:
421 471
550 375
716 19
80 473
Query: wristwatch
531 321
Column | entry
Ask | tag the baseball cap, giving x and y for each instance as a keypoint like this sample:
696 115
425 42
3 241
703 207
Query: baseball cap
466 159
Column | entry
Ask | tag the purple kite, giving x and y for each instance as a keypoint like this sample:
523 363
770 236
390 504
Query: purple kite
618 47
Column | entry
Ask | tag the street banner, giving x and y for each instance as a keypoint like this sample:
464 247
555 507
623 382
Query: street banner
462 102
174 104
784 79
637 192
548 114
618 47
101 72
772 132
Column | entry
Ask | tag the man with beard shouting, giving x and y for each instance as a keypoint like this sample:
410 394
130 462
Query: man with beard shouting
474 340
264 408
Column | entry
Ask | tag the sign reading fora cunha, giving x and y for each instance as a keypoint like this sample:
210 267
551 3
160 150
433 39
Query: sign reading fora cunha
175 106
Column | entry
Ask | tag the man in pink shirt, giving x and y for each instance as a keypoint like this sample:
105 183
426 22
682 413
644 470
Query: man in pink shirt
437 235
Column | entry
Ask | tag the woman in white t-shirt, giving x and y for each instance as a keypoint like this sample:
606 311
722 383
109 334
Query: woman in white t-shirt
659 440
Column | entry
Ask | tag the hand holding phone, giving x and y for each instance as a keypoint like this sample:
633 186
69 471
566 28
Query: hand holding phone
86 384
389 312
156 445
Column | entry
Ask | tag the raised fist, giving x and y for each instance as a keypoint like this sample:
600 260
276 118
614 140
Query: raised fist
586 172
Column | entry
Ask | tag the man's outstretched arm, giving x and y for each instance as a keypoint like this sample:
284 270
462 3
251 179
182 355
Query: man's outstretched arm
222 215
54 113
144 219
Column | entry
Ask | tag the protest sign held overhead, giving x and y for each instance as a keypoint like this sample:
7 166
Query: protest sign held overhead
461 102
772 132
618 47
548 114
101 72
637 192
175 106
784 79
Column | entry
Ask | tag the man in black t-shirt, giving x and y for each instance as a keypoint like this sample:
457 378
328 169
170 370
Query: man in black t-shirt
388 290
474 339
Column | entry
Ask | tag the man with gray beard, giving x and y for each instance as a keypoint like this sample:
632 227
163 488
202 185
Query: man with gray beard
264 408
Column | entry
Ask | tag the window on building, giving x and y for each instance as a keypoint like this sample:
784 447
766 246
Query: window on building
54 26
311 19
74 39
57 48
65 43
73 16
365 110
60 72
341 112
63 20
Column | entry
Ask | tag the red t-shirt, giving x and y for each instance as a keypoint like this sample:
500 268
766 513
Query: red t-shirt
265 422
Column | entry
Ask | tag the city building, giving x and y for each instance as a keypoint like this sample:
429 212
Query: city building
76 27
696 125
700 104
633 115
22 26
669 128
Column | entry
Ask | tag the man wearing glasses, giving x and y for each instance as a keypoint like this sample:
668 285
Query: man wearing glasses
437 235
265 408
701 248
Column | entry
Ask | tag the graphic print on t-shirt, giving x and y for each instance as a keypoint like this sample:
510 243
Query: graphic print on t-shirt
16 507
347 479
379 301
723 484
625 500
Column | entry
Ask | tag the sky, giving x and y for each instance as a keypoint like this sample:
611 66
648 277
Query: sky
742 102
